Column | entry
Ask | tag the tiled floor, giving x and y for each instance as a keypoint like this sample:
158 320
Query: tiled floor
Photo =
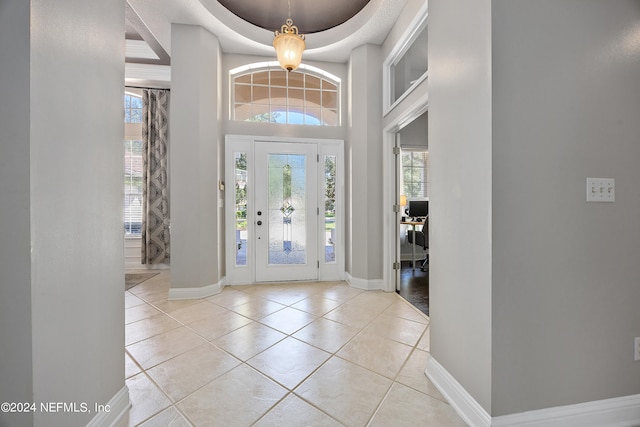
304 354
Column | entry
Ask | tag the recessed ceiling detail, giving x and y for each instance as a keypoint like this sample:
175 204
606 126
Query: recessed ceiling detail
310 16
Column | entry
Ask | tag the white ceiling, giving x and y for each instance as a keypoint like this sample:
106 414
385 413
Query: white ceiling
369 25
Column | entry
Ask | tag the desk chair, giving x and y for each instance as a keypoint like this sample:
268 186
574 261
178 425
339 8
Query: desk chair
422 240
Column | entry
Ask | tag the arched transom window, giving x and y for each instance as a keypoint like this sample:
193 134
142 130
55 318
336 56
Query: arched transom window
307 96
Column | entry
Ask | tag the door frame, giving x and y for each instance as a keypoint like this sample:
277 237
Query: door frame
390 198
245 274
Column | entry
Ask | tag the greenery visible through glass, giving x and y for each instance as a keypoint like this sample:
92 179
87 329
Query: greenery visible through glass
330 208
241 207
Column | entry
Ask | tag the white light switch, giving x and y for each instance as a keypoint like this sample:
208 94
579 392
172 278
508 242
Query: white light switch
601 190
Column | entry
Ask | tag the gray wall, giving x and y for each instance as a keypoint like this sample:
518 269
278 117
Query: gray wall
566 102
461 194
16 377
195 139
534 292
364 165
61 245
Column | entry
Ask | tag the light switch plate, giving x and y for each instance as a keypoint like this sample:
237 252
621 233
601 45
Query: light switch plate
601 190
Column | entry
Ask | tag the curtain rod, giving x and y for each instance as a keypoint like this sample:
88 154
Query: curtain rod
146 87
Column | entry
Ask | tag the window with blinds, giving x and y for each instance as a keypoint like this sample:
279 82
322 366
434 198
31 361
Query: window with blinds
132 162
414 175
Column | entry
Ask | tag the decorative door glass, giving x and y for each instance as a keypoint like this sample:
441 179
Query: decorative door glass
287 209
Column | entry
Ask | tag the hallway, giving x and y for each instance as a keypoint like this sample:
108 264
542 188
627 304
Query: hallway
281 354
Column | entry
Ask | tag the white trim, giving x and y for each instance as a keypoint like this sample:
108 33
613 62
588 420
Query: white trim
616 412
459 399
196 293
388 191
364 284
401 47
118 406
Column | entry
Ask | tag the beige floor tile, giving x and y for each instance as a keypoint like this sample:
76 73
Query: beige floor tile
249 340
340 292
289 362
147 328
380 355
326 334
151 290
130 366
398 329
345 391
218 324
258 308
293 411
159 348
199 311
405 406
130 300
403 309
169 417
375 301
412 375
146 400
139 312
316 305
184 374
352 315
229 298
425 341
169 306
287 296
288 320
238 398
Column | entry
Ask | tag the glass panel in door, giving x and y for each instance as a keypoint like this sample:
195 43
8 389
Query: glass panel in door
286 211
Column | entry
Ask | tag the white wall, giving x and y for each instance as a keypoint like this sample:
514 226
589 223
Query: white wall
566 102
195 140
461 193
62 236
16 376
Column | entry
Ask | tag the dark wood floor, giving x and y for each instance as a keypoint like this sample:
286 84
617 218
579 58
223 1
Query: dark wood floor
414 287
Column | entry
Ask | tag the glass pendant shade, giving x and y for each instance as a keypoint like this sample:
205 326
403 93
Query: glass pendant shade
289 46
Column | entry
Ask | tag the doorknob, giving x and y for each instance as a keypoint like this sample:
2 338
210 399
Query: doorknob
259 213
259 222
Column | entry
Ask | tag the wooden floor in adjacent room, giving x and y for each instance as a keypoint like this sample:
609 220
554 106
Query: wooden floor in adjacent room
414 286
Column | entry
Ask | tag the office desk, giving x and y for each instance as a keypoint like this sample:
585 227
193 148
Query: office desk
413 225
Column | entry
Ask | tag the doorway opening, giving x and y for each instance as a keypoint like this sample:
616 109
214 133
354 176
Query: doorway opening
284 209
398 266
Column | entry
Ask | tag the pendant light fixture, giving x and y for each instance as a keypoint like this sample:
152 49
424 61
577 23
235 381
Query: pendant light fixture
289 44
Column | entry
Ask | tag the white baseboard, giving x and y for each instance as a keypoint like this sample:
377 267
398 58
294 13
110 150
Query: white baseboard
118 407
365 284
459 399
196 293
616 412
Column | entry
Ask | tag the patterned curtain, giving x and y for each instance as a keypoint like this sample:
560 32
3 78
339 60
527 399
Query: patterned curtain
155 196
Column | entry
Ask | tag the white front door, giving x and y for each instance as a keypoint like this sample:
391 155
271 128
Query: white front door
284 215
286 211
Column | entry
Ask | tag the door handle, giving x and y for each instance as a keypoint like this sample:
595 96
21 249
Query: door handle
259 213
259 222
